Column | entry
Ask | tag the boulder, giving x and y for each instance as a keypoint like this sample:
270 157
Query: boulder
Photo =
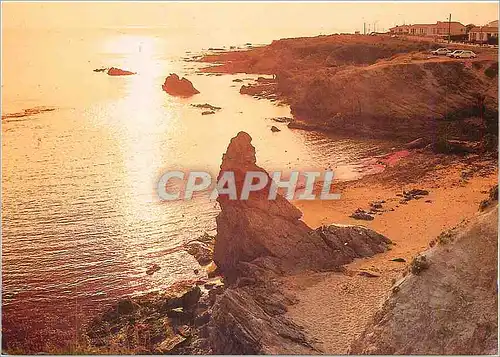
200 251
275 129
361 215
113 71
179 87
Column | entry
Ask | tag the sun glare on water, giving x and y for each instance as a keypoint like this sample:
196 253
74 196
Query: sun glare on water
140 113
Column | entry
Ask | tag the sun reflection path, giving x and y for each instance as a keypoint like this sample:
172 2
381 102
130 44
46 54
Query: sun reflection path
140 116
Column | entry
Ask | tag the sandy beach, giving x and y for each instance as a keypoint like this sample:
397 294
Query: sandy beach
348 301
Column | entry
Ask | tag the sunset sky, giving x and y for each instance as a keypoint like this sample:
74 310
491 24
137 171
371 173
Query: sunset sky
325 16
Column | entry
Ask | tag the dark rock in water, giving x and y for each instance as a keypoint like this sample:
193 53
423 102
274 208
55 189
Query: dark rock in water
282 119
250 90
201 249
153 269
237 80
361 215
208 112
100 69
201 252
275 129
206 106
179 87
113 71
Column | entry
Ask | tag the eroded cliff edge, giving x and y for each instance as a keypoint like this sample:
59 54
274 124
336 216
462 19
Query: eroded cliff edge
448 304
373 86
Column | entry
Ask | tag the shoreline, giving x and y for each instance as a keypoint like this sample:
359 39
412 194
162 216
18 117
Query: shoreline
350 300
456 185
330 87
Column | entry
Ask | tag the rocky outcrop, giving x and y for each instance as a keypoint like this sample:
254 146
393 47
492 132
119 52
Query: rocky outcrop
448 304
259 241
113 71
156 323
179 87
258 227
250 320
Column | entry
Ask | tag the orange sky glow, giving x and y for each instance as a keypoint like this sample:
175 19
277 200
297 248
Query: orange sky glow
327 17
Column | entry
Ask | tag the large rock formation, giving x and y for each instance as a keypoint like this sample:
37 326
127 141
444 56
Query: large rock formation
449 304
258 242
179 87
258 227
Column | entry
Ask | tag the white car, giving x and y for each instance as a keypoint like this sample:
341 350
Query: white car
466 54
454 53
441 51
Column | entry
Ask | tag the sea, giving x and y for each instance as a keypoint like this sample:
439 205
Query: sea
81 218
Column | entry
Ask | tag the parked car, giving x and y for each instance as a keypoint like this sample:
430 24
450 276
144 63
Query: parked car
466 54
454 53
441 51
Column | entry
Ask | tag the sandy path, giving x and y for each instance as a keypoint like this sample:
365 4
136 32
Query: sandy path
335 307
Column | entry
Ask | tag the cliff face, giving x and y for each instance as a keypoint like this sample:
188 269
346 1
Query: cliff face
374 86
449 304
398 98
258 242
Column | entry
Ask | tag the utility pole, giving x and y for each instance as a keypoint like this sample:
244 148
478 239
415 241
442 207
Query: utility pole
449 29
364 28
